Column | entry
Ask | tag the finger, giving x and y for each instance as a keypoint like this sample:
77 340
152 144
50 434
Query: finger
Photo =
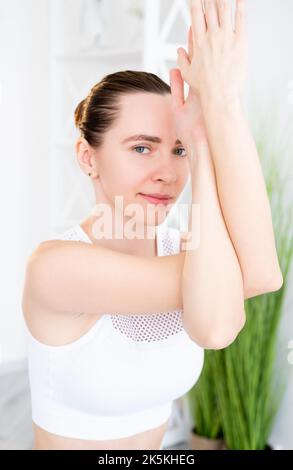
199 27
183 59
177 87
211 14
224 12
183 62
190 43
240 17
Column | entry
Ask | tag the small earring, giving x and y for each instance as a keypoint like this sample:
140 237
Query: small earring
89 174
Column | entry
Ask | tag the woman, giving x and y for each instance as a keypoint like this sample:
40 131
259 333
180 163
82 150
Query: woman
117 327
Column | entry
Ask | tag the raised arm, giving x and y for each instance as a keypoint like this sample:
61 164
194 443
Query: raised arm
74 277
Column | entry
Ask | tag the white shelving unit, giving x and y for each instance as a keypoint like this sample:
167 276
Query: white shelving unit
110 54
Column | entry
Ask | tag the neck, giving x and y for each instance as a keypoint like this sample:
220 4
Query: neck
144 246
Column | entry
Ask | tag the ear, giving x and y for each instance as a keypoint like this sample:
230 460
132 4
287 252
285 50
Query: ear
85 156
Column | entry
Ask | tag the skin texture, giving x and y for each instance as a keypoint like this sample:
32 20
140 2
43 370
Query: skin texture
148 440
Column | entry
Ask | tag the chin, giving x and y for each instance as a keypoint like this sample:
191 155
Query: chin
152 220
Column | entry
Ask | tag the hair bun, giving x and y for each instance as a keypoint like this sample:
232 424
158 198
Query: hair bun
78 113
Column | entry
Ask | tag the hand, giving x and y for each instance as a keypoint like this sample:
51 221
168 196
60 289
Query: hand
189 120
219 64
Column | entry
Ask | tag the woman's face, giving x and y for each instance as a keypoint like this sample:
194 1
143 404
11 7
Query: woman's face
129 168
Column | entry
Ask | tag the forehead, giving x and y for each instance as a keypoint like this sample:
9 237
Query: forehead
144 113
145 102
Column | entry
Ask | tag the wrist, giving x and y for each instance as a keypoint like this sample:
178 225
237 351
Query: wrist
221 102
197 150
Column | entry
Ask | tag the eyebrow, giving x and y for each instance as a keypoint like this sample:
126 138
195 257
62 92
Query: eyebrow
149 138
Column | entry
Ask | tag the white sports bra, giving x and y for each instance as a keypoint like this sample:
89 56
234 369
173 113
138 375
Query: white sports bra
121 376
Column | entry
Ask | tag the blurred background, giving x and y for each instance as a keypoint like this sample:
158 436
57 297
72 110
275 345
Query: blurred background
51 53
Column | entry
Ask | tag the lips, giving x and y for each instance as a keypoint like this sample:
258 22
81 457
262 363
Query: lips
158 195
157 198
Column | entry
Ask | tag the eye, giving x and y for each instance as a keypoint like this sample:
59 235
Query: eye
181 148
141 147
144 147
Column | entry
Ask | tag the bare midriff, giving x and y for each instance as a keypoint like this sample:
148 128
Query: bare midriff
147 440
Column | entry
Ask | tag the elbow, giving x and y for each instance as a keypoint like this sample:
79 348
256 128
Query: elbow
222 341
220 338
272 283
273 280
277 282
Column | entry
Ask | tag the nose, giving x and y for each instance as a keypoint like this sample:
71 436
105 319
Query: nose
165 170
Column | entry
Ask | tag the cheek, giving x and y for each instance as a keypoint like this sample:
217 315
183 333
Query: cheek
125 180
132 177
183 174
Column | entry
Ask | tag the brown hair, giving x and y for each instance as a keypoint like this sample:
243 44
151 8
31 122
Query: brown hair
98 111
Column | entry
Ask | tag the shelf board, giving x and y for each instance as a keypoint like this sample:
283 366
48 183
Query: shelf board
103 53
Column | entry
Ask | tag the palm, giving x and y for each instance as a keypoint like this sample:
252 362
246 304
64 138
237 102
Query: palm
188 115
193 111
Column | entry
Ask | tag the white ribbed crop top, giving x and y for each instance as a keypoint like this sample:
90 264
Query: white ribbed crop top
119 378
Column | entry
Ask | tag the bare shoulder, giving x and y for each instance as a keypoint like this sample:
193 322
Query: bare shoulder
49 243
55 328
50 326
47 246
56 243
46 324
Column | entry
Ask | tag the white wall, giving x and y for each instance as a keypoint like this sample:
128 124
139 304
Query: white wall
24 131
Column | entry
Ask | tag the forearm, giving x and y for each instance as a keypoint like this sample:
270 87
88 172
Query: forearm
212 286
242 192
